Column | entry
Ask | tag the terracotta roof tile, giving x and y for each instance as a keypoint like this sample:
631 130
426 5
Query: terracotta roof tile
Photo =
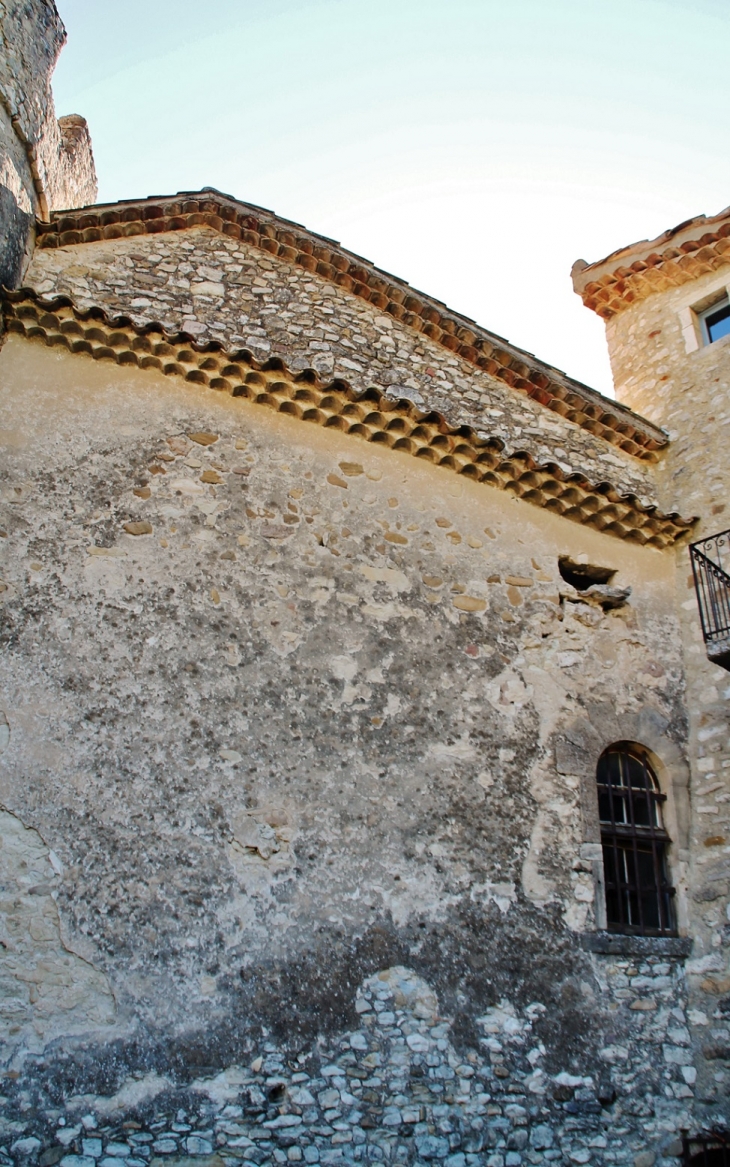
369 415
325 258
631 274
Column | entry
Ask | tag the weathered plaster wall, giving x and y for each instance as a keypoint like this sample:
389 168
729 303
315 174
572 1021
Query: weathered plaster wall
222 289
45 164
661 371
48 989
290 710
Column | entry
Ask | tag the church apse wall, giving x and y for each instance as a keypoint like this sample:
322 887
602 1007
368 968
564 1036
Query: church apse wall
301 737
335 630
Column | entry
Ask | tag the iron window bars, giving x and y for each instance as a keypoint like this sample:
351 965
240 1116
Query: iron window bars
712 585
707 1149
638 892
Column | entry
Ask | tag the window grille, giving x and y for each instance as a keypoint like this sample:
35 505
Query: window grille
707 1149
639 896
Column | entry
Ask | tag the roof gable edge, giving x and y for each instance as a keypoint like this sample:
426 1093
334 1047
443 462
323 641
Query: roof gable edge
325 258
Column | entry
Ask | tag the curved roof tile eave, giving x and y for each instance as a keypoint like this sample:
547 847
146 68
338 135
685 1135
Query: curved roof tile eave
630 274
551 388
369 415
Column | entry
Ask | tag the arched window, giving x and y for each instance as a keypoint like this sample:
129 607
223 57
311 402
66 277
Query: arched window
639 896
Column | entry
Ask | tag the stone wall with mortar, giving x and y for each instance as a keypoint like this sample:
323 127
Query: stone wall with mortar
396 1089
300 746
662 370
45 164
17 202
217 288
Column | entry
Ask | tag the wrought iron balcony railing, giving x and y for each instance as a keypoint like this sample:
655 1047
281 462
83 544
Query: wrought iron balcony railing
712 584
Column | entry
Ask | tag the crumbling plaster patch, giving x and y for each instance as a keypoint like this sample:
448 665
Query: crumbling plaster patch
47 990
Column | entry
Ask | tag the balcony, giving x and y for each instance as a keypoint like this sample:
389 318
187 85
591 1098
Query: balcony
712 584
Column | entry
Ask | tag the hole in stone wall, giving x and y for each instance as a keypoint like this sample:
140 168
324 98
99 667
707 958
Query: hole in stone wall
583 575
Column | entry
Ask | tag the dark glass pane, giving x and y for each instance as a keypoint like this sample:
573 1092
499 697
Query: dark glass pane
615 912
615 876
613 907
650 910
643 811
713 1156
636 772
612 806
608 773
645 873
718 323
620 808
632 915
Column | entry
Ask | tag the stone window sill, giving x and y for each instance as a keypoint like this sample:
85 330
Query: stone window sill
618 944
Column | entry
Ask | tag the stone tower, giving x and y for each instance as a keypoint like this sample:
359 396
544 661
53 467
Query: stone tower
45 164
665 304
658 299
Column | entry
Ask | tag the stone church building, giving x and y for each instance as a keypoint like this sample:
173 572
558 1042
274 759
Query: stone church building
364 694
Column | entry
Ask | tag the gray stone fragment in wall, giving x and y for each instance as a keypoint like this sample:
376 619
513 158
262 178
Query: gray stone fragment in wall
23 1147
645 1159
541 1137
616 944
607 596
591 852
570 758
398 391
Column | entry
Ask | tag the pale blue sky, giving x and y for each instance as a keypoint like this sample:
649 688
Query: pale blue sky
472 147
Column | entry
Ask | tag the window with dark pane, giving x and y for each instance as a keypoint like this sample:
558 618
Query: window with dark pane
639 896
715 321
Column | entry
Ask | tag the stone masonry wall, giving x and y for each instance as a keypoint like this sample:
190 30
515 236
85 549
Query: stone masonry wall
217 288
32 36
44 164
283 711
17 203
684 391
396 1090
662 371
